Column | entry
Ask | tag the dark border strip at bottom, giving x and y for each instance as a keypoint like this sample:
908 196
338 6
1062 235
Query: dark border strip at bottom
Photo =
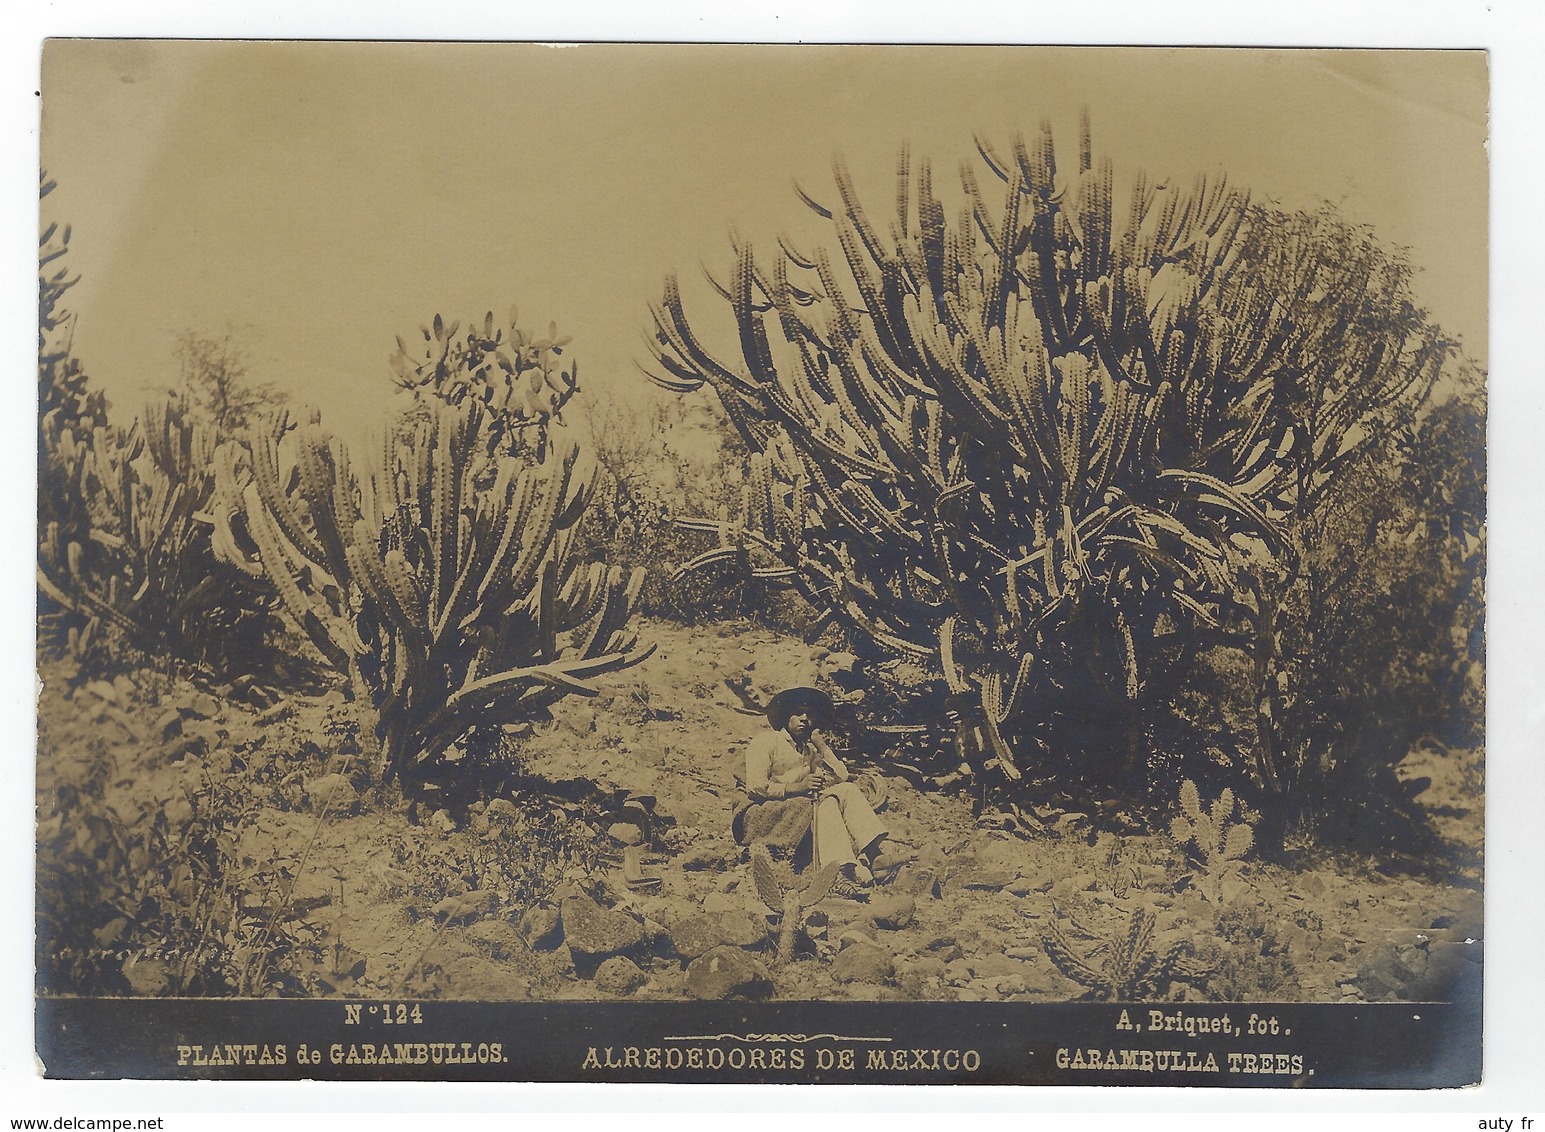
1384 1045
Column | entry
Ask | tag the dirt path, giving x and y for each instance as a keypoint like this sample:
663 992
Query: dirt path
499 904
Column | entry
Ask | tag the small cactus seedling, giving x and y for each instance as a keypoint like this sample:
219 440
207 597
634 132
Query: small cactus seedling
1219 840
782 892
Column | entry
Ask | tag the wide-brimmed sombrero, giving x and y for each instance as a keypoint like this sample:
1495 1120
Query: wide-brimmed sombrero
791 701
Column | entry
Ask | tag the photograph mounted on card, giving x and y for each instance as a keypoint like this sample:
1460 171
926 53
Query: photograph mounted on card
547 573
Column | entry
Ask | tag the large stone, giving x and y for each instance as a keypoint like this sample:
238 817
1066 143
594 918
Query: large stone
625 833
704 931
727 972
929 967
500 937
619 975
863 963
594 933
892 913
467 907
334 791
542 928
1453 972
986 880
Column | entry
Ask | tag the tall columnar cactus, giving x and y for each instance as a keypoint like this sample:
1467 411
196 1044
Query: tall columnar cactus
521 380
1043 447
450 605
138 558
69 409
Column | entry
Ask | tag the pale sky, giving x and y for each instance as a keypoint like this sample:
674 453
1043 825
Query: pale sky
332 196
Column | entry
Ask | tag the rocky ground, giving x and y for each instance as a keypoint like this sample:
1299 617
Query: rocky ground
275 866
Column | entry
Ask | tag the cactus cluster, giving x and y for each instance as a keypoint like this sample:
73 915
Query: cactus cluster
522 381
1126 967
1033 441
139 558
440 578
1213 834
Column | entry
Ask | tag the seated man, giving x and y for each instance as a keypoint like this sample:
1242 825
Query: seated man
794 780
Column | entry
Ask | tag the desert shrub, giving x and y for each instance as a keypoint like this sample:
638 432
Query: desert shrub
442 579
215 386
166 900
519 853
1383 627
1042 457
125 563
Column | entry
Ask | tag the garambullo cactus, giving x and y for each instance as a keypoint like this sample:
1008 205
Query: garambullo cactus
1040 454
139 557
449 605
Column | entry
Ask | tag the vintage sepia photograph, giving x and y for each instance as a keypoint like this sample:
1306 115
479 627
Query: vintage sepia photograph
761 563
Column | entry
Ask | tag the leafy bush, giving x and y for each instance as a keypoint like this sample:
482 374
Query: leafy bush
442 580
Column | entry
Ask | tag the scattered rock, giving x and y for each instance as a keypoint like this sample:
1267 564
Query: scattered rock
1071 824
914 879
700 933
200 705
594 933
169 724
852 937
500 937
1023 952
727 972
334 791
1012 984
957 972
465 908
863 963
988 880
892 913
542 928
619 975
275 713
992 964
625 833
720 902
703 858
929 967
442 821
